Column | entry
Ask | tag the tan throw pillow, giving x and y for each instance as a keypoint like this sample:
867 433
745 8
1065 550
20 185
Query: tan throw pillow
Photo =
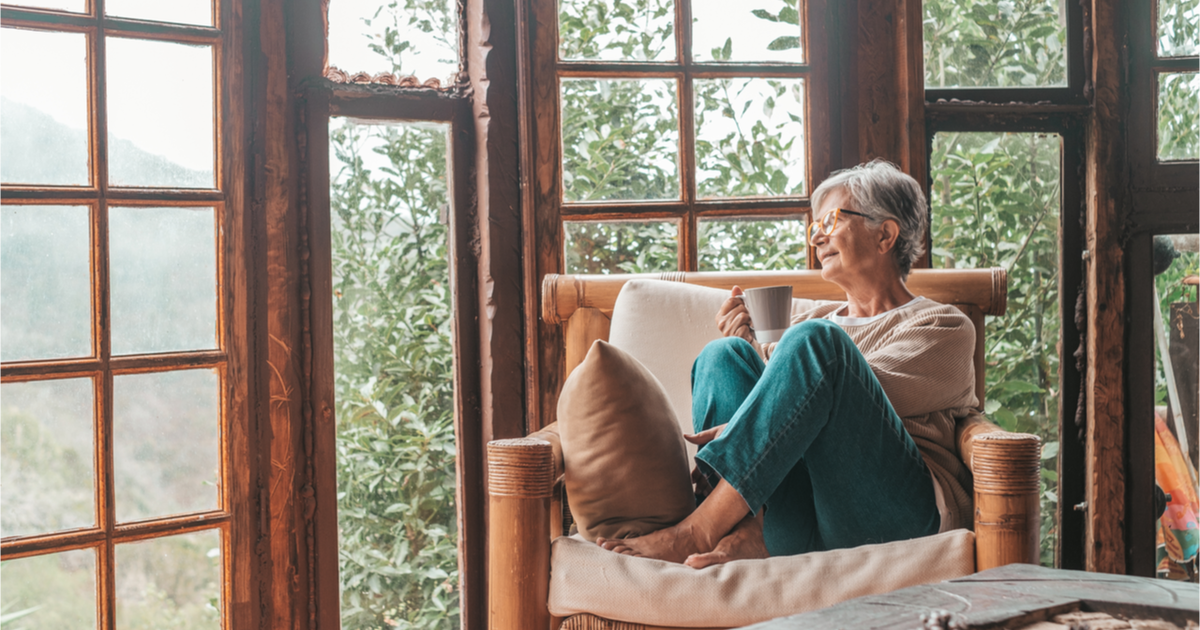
626 469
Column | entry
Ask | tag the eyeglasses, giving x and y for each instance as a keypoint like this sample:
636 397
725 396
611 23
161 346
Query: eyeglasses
828 223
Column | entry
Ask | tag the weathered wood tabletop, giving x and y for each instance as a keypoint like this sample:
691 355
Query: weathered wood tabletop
1012 596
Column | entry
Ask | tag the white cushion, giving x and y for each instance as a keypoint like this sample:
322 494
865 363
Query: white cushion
585 578
665 325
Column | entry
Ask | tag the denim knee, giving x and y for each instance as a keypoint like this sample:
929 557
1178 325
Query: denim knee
819 332
722 351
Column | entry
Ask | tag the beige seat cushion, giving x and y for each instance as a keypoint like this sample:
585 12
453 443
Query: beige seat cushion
626 468
585 578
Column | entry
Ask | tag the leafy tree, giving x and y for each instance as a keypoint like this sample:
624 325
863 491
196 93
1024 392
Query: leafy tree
1019 43
394 378
995 202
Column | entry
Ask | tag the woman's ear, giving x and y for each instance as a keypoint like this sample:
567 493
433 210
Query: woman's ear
889 231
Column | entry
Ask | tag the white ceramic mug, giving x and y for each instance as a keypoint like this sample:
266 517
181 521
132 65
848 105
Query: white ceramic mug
770 311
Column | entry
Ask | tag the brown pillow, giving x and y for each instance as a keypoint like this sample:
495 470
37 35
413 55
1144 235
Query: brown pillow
627 472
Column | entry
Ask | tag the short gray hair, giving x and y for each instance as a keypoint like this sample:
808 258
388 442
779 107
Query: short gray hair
880 190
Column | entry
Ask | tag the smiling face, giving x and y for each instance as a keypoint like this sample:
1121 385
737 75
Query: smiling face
855 253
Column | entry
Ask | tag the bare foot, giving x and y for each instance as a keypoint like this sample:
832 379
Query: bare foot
673 544
745 542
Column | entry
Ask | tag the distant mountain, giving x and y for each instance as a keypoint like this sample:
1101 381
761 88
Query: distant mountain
36 149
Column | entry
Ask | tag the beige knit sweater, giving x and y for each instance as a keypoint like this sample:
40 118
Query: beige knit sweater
923 356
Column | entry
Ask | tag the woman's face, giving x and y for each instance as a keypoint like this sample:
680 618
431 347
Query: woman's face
851 254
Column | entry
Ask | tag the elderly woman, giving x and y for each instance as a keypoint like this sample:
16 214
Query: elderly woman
842 433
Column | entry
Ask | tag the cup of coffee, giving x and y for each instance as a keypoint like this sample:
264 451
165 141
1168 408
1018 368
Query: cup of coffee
770 311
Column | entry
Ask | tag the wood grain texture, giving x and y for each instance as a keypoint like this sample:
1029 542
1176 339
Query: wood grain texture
1007 597
563 294
491 57
277 189
1104 530
585 326
521 480
1007 472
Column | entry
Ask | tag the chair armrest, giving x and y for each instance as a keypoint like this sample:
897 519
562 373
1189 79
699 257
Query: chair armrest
967 430
549 433
520 482
1007 472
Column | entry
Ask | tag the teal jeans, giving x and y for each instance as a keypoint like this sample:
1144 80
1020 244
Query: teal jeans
812 437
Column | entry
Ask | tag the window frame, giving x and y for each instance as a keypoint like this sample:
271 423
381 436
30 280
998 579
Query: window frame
1164 197
541 157
230 357
1061 111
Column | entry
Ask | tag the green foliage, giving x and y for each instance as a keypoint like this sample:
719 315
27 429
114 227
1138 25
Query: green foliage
395 27
394 378
48 482
621 247
641 30
620 139
49 592
1179 116
750 137
1017 43
1178 27
761 245
995 202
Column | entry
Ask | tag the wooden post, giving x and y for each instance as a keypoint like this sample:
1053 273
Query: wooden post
1007 469
520 482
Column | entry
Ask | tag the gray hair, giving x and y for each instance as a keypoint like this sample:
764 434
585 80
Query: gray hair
880 190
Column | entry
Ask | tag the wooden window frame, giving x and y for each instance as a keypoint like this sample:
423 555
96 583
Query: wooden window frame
317 99
1060 110
230 358
541 148
1163 197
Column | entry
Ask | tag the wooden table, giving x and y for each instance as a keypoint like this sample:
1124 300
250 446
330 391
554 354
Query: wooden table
1013 596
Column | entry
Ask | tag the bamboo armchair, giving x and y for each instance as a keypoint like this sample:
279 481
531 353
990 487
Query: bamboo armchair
526 507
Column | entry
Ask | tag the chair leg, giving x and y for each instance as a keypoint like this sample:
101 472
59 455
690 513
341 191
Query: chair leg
1007 469
520 481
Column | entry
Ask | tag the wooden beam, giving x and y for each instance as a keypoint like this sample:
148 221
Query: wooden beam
1104 529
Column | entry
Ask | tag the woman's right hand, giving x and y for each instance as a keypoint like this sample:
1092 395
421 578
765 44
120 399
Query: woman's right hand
733 320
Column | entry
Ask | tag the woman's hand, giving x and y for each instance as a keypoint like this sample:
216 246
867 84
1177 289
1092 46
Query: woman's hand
700 439
733 320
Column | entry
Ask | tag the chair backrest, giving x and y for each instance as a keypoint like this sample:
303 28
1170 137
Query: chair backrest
583 304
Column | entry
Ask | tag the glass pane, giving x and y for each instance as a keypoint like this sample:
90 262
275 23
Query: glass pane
45 283
749 137
417 37
180 11
172 582
995 202
56 590
46 469
621 246
1178 116
44 133
163 265
1178 28
977 43
749 30
758 244
641 30
76 6
620 139
393 376
1176 349
160 132
166 440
